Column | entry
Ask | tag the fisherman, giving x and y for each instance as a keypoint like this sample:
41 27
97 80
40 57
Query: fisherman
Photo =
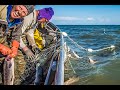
36 33
29 30
50 33
11 20
44 16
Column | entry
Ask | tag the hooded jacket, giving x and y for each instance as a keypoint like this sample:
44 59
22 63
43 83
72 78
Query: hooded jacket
16 28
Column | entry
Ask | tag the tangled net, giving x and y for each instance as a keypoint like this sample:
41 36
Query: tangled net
43 58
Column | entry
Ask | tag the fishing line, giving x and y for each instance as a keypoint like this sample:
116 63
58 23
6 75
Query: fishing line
72 67
87 50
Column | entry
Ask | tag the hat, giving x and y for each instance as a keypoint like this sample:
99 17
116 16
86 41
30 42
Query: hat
30 8
45 13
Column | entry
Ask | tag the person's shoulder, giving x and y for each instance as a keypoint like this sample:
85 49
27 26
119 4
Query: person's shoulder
31 15
3 6
3 12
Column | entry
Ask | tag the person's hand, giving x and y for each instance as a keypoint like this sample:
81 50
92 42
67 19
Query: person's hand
5 50
14 52
43 20
15 46
29 55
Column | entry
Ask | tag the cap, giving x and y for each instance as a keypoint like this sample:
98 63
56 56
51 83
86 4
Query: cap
45 13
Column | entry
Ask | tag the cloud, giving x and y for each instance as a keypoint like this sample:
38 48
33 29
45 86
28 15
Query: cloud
90 19
67 18
82 20
104 20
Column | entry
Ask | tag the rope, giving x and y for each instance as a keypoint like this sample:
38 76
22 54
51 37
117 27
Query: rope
89 49
58 31
80 47
72 67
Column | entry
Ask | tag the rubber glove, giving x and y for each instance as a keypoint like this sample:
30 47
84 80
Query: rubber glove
28 52
15 46
5 50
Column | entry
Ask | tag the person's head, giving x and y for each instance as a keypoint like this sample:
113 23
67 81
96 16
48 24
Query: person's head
20 11
45 14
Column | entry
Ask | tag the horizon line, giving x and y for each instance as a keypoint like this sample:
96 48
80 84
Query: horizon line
89 24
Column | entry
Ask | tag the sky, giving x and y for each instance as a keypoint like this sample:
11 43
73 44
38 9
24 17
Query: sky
84 14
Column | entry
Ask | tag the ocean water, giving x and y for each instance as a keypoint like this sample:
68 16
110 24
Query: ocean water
106 70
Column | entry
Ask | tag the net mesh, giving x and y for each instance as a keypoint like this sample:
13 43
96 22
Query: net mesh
43 58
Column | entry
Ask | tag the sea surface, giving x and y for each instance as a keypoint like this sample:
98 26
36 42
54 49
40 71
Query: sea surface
104 40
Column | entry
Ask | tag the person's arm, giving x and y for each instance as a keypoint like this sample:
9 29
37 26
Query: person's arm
5 50
15 40
3 12
30 38
26 50
3 24
27 22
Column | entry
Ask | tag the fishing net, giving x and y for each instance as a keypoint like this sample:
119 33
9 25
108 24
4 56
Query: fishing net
43 58
88 63
77 60
72 64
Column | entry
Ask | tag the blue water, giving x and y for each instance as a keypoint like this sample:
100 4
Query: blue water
107 69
